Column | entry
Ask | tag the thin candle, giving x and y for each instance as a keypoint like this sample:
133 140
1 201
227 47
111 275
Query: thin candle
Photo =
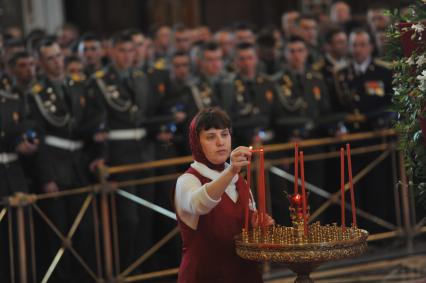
259 190
296 168
342 187
348 153
302 175
262 189
246 224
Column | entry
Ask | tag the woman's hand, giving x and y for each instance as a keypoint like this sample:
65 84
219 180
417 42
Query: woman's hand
239 158
267 220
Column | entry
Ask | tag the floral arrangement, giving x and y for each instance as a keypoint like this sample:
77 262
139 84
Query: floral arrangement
406 48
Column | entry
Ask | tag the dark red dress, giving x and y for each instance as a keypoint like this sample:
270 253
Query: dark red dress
209 252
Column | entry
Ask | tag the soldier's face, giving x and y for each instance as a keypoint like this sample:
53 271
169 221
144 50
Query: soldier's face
341 13
289 23
123 55
226 42
244 36
216 145
182 41
138 41
24 70
247 62
296 54
360 46
91 52
52 61
75 68
212 64
339 44
180 66
163 37
309 30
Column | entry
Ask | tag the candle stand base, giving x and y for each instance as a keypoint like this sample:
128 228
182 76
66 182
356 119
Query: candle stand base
300 253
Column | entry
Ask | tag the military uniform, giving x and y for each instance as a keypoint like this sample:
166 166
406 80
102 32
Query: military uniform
12 127
129 105
327 68
302 100
251 109
65 114
368 95
12 178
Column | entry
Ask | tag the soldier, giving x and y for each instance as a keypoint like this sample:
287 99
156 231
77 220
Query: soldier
302 94
23 70
213 86
244 34
269 55
340 13
17 137
253 99
365 89
65 113
182 38
74 66
162 43
308 30
336 45
90 51
225 39
128 102
288 23
302 100
364 86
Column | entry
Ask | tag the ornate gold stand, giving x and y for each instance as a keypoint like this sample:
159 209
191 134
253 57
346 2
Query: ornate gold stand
300 253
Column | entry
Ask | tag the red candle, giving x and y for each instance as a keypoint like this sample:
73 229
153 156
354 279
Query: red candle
342 186
296 168
262 187
302 174
348 153
248 195
259 191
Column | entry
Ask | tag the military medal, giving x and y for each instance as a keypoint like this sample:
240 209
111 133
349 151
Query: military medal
269 96
317 92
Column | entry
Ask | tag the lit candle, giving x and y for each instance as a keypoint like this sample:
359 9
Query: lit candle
302 175
342 186
248 192
348 152
296 168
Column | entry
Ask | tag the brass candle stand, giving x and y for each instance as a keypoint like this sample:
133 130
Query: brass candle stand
301 252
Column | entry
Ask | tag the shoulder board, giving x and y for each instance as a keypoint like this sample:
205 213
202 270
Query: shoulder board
382 63
317 75
37 88
137 73
263 78
340 68
317 66
99 74
77 77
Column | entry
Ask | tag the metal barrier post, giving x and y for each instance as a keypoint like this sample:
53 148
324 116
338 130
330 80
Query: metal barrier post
405 204
106 225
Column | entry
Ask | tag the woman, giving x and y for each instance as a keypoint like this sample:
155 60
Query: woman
209 200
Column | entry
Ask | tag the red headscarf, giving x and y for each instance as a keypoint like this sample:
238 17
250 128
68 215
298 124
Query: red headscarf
197 150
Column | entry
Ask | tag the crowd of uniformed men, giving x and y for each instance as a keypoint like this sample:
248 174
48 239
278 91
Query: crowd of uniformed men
69 103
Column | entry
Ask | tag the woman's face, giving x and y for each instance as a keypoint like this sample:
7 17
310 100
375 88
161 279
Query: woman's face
216 144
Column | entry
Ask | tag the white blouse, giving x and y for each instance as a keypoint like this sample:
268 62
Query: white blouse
192 199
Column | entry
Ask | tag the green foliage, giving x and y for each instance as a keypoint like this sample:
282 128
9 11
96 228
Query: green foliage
409 97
